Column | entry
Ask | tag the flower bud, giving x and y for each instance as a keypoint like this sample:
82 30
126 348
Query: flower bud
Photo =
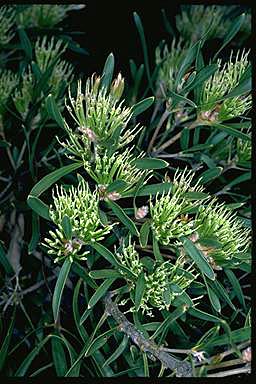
247 355
117 87
141 212
113 196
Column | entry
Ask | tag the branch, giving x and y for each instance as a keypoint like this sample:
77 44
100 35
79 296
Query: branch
182 368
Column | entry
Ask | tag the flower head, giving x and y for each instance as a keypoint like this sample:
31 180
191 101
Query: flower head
196 20
120 166
168 220
215 220
43 15
157 292
99 110
81 207
213 108
7 16
8 81
23 96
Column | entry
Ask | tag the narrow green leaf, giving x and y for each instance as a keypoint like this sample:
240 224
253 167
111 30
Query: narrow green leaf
80 271
35 233
144 232
121 215
67 227
176 98
100 292
5 262
104 274
156 250
167 24
198 258
240 179
22 370
203 315
232 132
210 242
59 357
112 259
53 111
118 352
187 62
59 287
184 139
235 27
39 207
222 293
153 189
214 300
108 70
209 175
139 290
99 342
236 286
201 76
238 336
117 186
164 326
142 106
6 342
150 163
196 195
25 43
47 181
144 46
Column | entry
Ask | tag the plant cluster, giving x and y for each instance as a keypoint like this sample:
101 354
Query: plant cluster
150 243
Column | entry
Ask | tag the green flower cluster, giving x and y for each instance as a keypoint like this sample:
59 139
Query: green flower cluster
196 20
46 52
7 20
213 106
120 166
162 284
44 15
102 120
23 96
212 221
80 206
8 81
169 61
244 149
216 221
168 220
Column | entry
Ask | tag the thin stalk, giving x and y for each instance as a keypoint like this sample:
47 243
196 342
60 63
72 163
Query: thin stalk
176 137
164 116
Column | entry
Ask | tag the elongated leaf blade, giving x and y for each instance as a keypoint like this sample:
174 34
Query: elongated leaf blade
235 27
39 207
100 292
233 132
150 163
144 233
139 290
53 111
59 287
108 70
198 258
142 106
47 181
121 215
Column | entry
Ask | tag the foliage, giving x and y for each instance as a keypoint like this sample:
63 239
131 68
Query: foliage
169 241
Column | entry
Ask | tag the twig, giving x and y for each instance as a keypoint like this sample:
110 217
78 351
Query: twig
174 138
236 371
182 368
161 121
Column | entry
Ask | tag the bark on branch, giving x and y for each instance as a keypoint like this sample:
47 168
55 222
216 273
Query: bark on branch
182 368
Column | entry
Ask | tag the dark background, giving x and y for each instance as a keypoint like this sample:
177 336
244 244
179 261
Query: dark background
109 26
